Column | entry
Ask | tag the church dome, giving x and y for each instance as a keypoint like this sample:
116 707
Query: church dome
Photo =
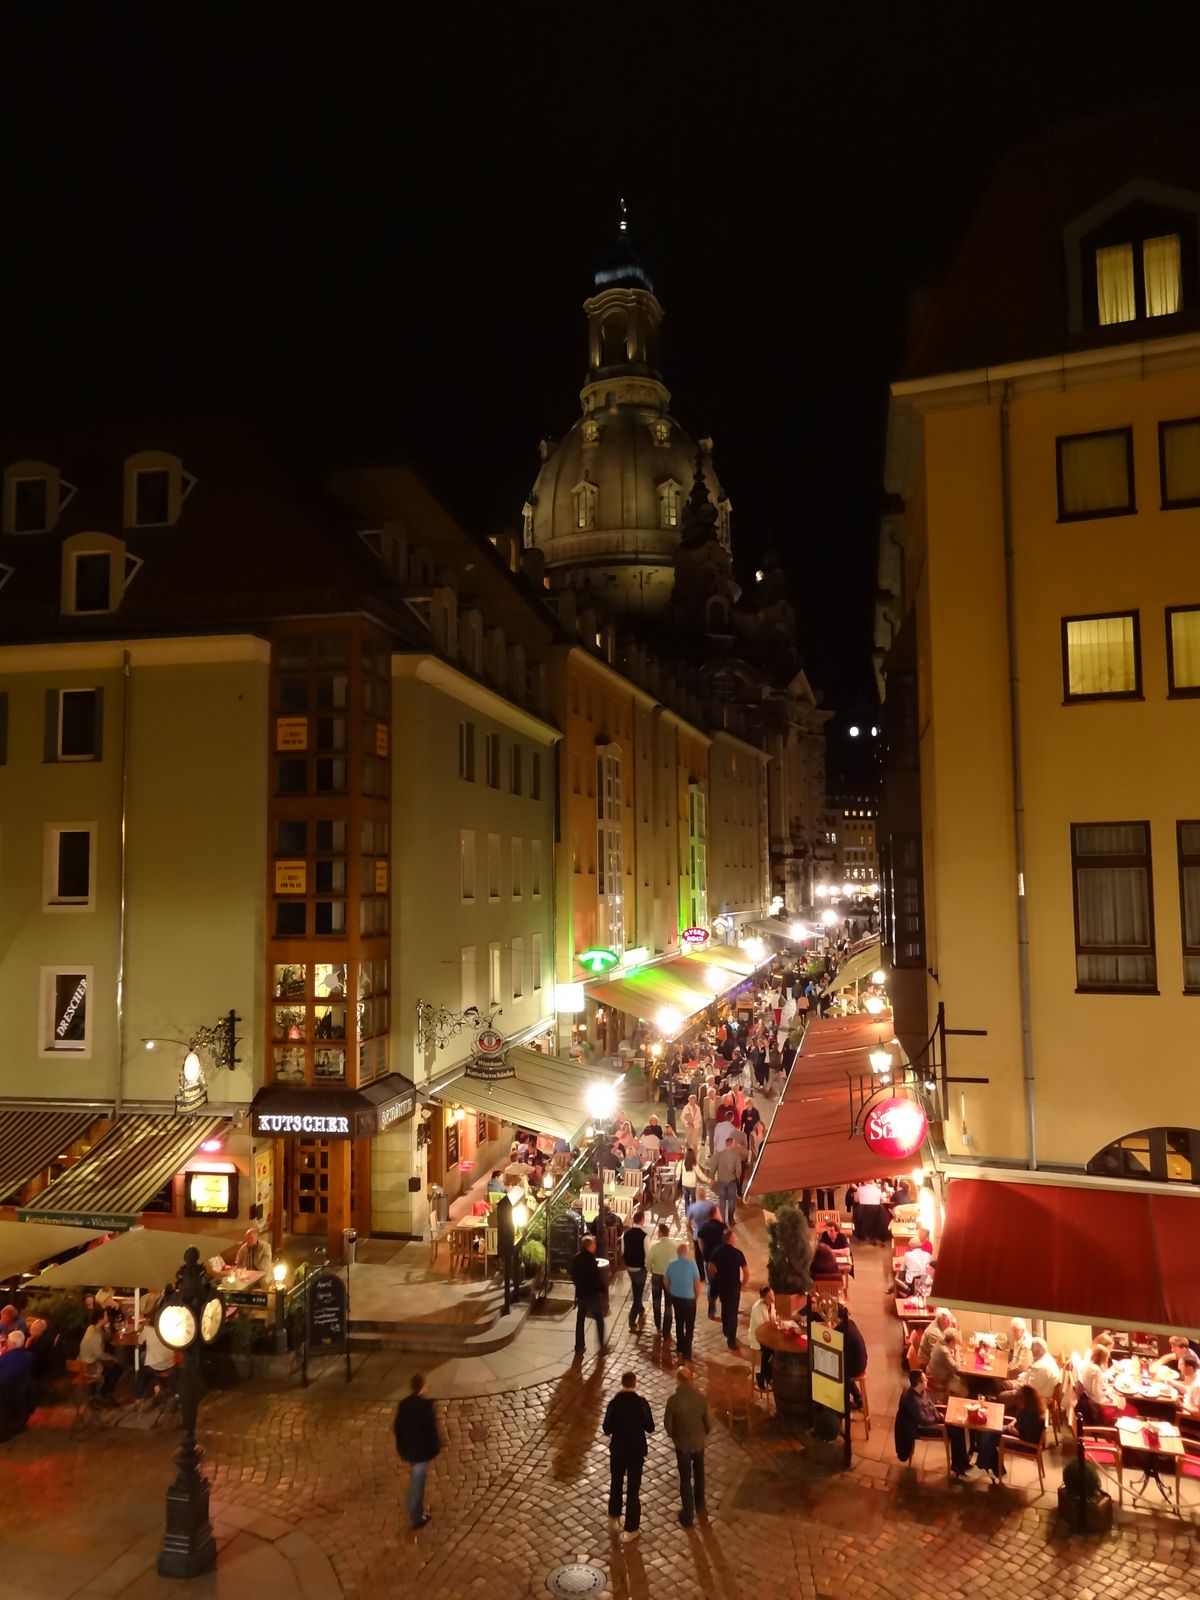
607 506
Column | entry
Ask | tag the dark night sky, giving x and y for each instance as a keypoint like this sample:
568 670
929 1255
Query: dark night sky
381 228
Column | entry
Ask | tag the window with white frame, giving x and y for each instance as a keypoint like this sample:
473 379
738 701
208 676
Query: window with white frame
156 487
494 996
493 866
468 979
516 873
610 862
74 720
69 866
517 953
466 751
466 859
535 868
65 1013
35 495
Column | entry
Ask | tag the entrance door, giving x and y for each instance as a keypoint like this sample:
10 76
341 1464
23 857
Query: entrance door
308 1190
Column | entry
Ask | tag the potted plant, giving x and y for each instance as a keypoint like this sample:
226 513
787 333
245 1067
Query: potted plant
1082 1504
773 1199
789 1251
533 1257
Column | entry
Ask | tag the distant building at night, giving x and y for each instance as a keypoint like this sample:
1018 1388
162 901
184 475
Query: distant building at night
1038 647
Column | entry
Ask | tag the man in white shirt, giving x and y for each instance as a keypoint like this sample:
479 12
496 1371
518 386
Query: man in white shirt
691 1120
935 1333
723 1133
1043 1372
916 1268
1020 1346
869 1194
158 1361
255 1253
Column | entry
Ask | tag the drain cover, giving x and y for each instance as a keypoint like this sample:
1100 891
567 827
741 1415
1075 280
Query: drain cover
577 1577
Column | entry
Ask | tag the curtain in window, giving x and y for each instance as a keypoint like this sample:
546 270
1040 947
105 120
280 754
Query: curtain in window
1114 283
1160 264
1101 658
1181 461
1185 649
1095 473
1114 934
1189 886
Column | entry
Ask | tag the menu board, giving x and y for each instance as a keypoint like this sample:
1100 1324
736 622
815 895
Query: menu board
327 1320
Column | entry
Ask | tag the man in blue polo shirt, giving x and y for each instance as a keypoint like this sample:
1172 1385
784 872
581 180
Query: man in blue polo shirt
681 1279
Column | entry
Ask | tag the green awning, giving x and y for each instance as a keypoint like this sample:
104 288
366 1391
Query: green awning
857 969
546 1093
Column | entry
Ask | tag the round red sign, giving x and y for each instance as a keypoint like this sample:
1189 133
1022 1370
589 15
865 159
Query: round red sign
489 1042
895 1128
695 936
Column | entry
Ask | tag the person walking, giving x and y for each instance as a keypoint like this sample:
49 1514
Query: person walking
727 1170
418 1441
589 1291
710 1236
627 1421
506 1248
660 1254
682 1279
691 1121
687 1422
728 1274
633 1250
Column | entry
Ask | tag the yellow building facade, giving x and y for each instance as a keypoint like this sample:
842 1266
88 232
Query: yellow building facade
1040 654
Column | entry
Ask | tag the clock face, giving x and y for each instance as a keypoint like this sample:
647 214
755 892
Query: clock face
176 1326
211 1318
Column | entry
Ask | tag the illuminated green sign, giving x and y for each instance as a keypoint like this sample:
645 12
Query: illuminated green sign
597 961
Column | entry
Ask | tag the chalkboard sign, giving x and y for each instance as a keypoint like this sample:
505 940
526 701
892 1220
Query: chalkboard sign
327 1322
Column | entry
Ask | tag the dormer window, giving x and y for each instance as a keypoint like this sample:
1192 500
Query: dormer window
585 504
591 431
1148 275
669 501
34 497
155 488
96 571
662 432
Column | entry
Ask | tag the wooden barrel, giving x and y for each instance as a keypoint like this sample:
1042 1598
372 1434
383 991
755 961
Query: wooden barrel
791 1383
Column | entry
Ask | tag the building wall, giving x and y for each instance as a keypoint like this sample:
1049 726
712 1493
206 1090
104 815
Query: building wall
434 922
737 877
195 847
1131 760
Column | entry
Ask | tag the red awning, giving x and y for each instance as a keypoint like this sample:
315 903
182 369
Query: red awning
809 1144
1117 1258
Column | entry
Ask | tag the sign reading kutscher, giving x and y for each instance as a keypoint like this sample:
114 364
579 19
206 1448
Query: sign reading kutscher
286 1111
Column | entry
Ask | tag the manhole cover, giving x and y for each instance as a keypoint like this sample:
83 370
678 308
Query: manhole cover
577 1577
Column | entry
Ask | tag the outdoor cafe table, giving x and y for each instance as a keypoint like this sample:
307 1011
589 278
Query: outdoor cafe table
789 1372
913 1314
1140 1456
985 1364
1151 1397
959 1407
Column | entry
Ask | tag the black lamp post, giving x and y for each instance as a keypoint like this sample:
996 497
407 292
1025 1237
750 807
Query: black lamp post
189 1318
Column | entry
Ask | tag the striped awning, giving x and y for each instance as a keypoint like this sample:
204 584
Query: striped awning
855 969
125 1170
30 1140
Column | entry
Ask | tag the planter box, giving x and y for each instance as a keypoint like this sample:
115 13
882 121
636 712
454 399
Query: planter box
1089 1516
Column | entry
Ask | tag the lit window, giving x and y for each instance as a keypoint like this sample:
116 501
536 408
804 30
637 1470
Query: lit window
1114 284
668 505
1101 656
585 504
1183 649
1114 921
1179 462
1161 263
1095 474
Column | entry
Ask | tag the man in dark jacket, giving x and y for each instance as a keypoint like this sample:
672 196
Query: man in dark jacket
633 1252
589 1291
506 1248
855 1349
916 1417
417 1442
687 1422
627 1421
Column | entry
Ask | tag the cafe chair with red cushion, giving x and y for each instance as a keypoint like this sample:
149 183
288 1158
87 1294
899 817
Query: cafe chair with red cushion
1102 1447
1186 1466
1054 1412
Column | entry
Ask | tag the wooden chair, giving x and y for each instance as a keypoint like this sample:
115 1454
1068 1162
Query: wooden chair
623 1205
1054 1412
733 1396
929 1438
631 1179
1009 1445
437 1237
1186 1466
863 1416
84 1392
1102 1447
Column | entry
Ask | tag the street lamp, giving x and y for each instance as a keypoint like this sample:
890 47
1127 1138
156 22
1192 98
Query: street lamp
189 1317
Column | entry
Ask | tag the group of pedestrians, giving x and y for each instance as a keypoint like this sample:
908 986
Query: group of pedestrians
628 1421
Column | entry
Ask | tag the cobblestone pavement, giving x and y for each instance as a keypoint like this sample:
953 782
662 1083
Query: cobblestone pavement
307 1495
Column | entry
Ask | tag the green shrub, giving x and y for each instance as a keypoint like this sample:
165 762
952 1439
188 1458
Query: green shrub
1081 1478
774 1199
789 1251
533 1253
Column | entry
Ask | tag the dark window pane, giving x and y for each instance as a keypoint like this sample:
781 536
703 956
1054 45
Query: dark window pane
152 502
70 1011
293 694
331 776
290 838
331 838
77 725
74 865
290 921
91 582
30 501
331 916
331 877
293 777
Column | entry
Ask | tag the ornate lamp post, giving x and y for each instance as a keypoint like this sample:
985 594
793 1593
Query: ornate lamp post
189 1318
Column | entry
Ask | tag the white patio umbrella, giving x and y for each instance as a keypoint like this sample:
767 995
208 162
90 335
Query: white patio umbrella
143 1258
24 1245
